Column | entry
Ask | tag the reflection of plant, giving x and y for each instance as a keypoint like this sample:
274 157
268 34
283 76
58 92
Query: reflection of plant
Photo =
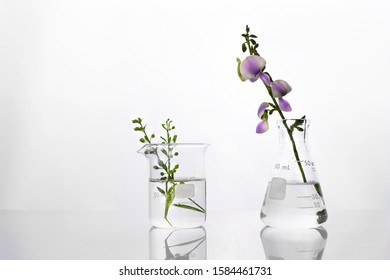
167 170
186 256
252 68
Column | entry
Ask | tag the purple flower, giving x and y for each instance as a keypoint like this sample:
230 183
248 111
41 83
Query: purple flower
261 112
284 105
279 89
262 126
261 109
251 68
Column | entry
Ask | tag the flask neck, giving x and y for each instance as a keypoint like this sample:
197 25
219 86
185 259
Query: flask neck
293 130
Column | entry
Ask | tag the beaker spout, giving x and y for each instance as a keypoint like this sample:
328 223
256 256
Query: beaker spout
145 150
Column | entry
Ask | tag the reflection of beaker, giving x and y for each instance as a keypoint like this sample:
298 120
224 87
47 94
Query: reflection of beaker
294 244
177 244
294 197
177 184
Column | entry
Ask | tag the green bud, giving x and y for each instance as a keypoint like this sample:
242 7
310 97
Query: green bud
142 140
244 47
176 154
162 173
134 121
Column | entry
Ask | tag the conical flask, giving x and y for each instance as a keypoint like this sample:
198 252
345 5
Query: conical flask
294 197
177 184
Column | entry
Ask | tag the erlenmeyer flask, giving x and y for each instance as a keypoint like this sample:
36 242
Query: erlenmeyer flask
294 197
177 184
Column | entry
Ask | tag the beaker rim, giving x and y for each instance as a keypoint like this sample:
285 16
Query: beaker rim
187 145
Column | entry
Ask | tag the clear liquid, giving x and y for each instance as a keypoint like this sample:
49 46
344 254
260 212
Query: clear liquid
299 205
192 193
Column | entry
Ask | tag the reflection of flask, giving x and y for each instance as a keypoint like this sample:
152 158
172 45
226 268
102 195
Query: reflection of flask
294 244
294 198
177 244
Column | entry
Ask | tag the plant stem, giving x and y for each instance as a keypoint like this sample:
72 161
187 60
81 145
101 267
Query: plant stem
289 132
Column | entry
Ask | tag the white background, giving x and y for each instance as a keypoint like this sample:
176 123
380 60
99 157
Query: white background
74 73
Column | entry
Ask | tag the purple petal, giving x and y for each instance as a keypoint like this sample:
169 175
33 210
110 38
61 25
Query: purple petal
262 127
280 88
284 105
262 108
265 78
251 67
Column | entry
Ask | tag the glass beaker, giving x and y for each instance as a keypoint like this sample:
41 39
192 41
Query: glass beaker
177 184
294 197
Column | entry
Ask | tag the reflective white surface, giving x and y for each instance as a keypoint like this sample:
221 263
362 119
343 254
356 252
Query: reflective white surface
350 234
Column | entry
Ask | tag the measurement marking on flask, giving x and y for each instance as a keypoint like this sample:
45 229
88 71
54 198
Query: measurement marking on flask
283 167
304 196
305 207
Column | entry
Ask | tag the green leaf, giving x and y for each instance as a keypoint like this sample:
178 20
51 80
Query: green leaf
161 191
142 140
156 167
164 152
169 197
134 121
253 41
137 129
239 73
185 206
244 47
299 128
174 138
162 164
253 36
162 138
